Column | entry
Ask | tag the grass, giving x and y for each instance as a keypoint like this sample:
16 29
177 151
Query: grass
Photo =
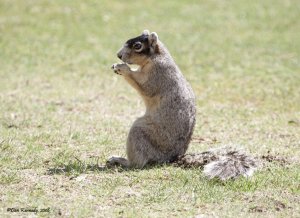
63 111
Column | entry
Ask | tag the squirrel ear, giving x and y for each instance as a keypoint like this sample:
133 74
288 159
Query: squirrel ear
146 33
153 37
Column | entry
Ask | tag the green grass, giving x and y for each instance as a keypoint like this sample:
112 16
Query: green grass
63 111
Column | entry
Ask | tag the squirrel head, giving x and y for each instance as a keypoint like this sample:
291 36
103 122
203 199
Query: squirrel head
138 50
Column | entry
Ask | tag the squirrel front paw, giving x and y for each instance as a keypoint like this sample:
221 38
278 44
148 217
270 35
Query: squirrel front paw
120 68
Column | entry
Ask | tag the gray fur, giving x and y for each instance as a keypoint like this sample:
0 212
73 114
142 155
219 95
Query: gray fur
164 132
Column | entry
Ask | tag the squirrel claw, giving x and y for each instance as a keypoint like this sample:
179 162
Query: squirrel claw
115 69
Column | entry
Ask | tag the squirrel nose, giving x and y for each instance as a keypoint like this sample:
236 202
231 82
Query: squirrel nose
119 55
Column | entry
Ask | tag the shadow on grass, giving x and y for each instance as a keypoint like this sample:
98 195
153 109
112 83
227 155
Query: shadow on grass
272 173
74 168
78 167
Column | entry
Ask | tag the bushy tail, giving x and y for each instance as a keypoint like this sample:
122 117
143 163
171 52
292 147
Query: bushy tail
223 163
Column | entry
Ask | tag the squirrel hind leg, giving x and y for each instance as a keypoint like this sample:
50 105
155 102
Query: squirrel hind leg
140 148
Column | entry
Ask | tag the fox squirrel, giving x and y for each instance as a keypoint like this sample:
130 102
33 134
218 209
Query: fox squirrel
163 134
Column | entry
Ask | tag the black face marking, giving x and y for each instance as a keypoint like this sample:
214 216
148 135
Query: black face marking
144 40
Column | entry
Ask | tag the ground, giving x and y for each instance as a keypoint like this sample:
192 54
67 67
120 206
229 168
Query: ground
63 111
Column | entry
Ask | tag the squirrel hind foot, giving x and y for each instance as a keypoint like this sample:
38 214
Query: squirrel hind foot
117 161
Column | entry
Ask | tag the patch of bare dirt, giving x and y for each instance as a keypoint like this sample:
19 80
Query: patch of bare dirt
257 209
283 161
279 205
276 158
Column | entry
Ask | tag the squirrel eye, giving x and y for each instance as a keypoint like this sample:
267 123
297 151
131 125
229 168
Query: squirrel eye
138 46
